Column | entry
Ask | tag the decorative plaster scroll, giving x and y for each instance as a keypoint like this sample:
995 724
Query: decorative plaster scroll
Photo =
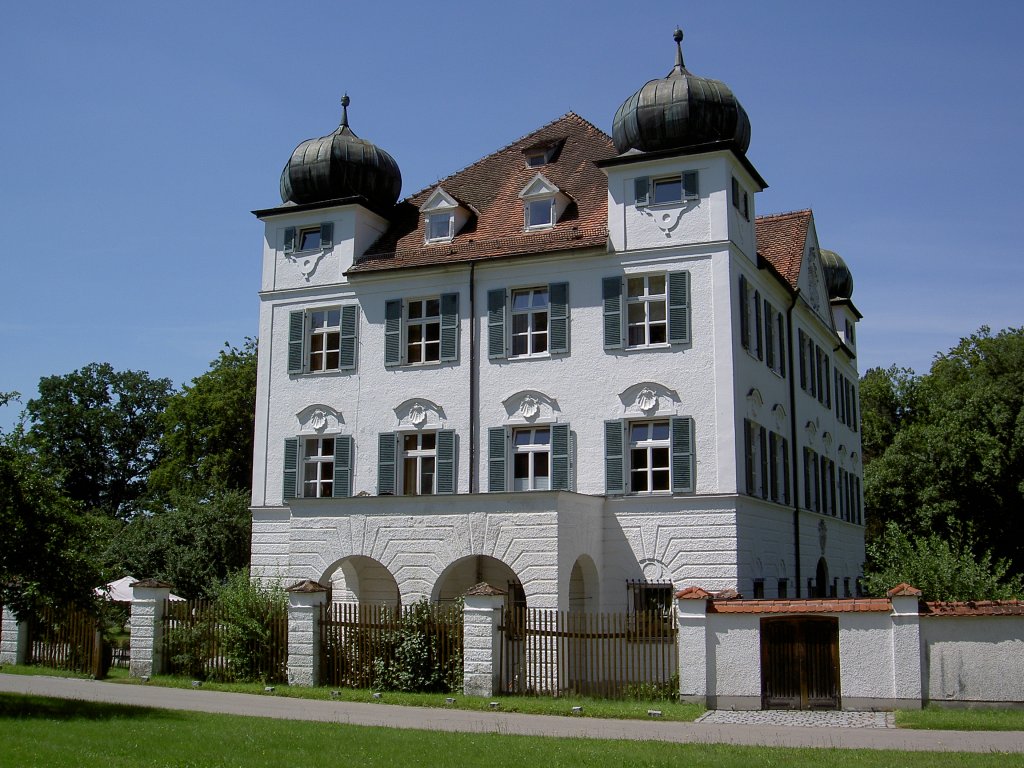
667 219
811 428
754 401
529 406
319 418
654 570
826 441
648 398
780 415
822 536
419 413
306 262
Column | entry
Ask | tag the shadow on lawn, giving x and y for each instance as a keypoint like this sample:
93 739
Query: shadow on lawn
19 707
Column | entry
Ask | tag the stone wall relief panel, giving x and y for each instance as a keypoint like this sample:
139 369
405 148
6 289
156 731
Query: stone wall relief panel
420 413
319 419
531 406
648 399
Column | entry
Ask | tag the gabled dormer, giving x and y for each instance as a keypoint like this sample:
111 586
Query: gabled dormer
443 217
543 203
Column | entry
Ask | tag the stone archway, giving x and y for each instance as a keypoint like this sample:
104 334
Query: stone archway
821 582
361 579
468 571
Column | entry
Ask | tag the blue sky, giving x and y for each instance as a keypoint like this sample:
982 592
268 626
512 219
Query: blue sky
137 137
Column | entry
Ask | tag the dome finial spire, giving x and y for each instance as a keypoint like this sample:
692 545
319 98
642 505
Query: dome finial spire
678 37
345 101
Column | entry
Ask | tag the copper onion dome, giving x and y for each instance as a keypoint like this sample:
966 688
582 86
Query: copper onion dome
340 165
681 110
838 278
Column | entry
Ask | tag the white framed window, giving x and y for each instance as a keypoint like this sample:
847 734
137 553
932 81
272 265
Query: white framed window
322 339
421 331
755 440
650 469
540 213
646 311
419 463
531 459
440 227
317 467
529 321
309 238
666 190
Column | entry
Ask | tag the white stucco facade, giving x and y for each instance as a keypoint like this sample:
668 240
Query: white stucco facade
739 512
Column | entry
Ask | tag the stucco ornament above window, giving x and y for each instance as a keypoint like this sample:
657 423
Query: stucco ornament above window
529 406
822 535
306 262
319 418
648 398
654 570
419 413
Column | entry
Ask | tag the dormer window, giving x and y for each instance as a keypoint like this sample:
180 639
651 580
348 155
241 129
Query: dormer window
316 238
543 203
443 217
666 190
536 159
541 154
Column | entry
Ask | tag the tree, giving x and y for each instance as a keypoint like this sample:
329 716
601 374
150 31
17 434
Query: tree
887 404
192 543
45 556
207 428
955 458
99 429
942 569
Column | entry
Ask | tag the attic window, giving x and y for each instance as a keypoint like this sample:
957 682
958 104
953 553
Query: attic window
539 213
665 190
543 203
439 227
320 237
536 159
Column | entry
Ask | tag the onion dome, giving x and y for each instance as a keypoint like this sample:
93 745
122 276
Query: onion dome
838 278
679 111
340 165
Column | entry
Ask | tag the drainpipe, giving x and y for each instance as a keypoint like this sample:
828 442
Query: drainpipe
474 381
795 453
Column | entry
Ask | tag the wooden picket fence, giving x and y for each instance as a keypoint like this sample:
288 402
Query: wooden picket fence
365 646
607 655
68 638
196 644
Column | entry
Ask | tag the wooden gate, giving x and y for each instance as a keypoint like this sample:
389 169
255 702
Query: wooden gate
800 663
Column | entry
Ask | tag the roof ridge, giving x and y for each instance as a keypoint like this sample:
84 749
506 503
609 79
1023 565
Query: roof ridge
785 214
441 181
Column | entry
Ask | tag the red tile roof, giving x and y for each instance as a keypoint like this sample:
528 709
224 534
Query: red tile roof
903 590
858 605
975 608
781 238
490 189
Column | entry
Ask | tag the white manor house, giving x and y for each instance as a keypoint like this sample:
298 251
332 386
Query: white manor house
582 370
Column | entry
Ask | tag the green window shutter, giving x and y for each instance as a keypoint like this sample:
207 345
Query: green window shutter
614 457
296 337
449 327
558 318
349 325
773 466
769 335
446 461
560 446
690 184
748 458
496 324
827 382
744 313
758 342
497 473
802 347
387 447
289 239
682 454
642 191
393 332
762 437
342 466
327 234
782 344
291 468
611 293
679 307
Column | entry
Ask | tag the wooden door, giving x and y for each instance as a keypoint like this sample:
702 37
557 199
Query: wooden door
800 663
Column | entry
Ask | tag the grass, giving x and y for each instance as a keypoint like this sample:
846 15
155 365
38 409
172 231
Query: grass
948 719
38 731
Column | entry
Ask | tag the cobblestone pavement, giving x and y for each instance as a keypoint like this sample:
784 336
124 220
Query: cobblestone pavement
801 718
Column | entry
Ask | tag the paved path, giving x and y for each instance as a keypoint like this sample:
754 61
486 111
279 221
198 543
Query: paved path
803 719
508 723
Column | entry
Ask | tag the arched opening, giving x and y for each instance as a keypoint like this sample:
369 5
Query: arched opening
821 579
583 586
466 572
361 579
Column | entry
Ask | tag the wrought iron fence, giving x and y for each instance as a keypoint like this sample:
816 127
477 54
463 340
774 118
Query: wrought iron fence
201 640
415 647
608 655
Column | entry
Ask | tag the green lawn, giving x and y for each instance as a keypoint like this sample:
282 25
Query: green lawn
987 719
52 733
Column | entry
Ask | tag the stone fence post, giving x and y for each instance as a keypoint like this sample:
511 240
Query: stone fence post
481 639
692 604
304 601
14 640
147 625
906 645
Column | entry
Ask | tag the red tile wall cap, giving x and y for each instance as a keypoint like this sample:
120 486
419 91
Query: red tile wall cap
307 586
483 589
903 590
692 593
974 608
852 605
151 584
